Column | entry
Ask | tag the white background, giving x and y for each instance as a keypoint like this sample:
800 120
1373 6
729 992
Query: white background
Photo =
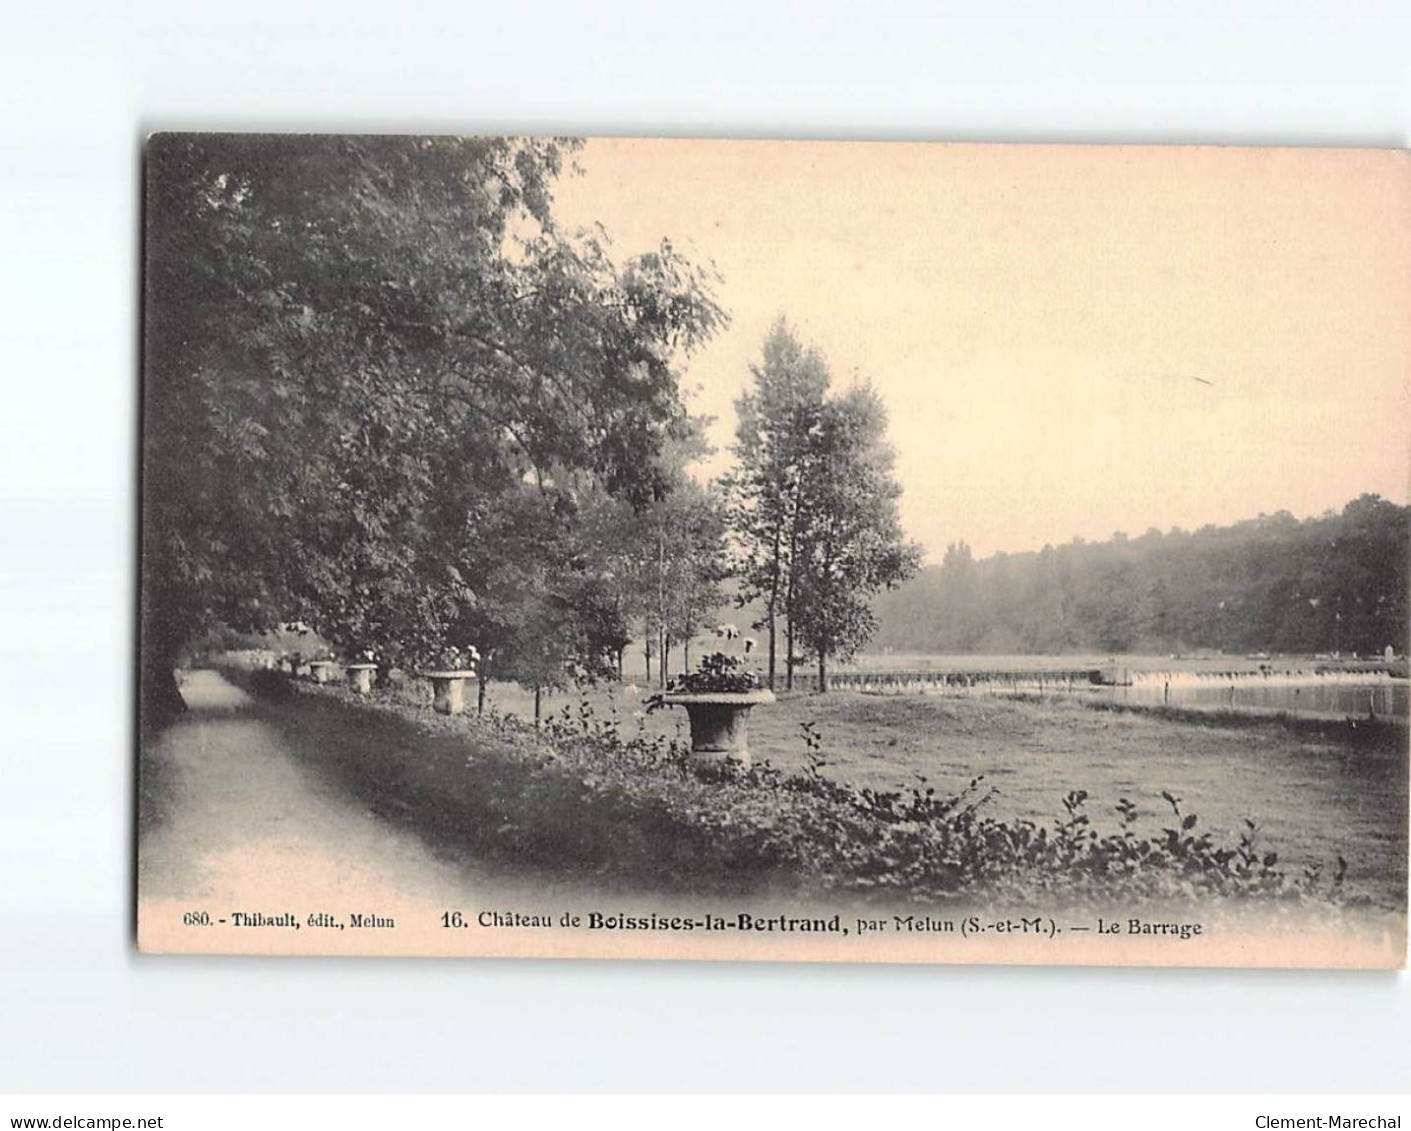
79 86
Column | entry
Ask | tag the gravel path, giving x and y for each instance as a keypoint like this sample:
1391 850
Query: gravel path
248 825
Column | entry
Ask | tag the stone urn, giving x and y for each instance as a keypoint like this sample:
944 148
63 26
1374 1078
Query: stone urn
448 689
720 722
321 671
360 677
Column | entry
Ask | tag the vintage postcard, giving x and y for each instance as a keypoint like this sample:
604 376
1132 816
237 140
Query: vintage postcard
769 550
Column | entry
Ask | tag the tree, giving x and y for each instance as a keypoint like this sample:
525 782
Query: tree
776 420
851 544
673 568
351 344
519 618
959 595
689 530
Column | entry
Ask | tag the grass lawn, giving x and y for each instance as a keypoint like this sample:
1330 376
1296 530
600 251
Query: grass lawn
1313 798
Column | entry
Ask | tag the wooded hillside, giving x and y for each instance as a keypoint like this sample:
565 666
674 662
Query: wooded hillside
1270 584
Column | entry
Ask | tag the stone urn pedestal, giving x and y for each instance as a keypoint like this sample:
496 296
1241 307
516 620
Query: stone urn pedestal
360 677
321 671
448 690
720 723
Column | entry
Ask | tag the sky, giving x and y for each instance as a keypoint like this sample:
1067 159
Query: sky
1070 341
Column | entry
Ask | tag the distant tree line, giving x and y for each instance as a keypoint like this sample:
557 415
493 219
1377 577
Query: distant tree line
1269 584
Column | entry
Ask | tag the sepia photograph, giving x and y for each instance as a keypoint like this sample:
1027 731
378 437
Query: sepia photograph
774 550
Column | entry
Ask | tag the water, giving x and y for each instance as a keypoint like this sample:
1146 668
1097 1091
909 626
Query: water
1290 685
1332 695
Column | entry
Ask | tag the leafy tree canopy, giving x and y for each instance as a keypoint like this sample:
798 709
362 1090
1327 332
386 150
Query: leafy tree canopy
353 346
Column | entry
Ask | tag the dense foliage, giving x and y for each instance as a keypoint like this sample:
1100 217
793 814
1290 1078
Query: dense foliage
1271 584
366 358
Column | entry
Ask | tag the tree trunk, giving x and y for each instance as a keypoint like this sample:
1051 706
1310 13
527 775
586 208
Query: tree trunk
663 643
772 605
771 651
163 630
480 695
164 625
538 706
647 650
824 595
791 584
789 660
384 676
686 654
159 698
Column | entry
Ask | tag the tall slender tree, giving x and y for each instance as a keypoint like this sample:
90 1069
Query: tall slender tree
852 544
813 504
677 546
776 422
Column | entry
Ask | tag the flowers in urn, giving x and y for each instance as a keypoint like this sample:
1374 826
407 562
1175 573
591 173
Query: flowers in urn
456 659
717 672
